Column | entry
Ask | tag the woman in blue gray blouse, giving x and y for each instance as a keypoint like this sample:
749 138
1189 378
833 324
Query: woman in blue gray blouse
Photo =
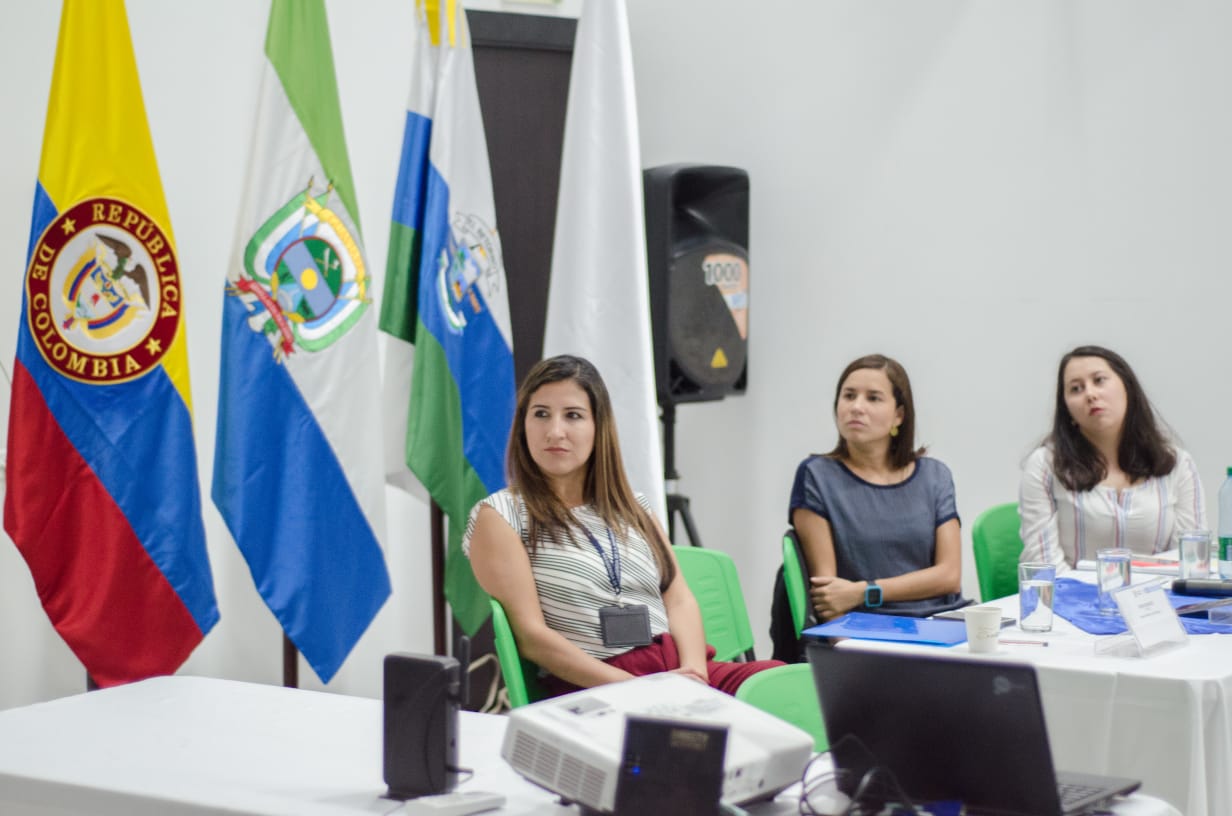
875 517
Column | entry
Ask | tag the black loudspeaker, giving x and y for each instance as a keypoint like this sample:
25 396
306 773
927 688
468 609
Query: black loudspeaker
697 240
422 695
671 768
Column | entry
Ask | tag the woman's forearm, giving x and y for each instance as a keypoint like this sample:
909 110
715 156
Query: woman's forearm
552 652
684 621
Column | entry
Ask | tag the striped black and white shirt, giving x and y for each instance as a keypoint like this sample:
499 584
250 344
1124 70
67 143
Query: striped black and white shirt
571 578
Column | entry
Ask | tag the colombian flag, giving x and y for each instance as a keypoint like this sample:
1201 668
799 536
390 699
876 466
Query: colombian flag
102 499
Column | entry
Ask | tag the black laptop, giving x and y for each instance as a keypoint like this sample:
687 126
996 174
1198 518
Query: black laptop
947 729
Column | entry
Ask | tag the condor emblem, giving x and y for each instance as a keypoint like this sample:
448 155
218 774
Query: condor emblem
103 292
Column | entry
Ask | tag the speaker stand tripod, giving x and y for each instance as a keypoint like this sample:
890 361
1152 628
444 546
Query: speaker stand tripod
677 505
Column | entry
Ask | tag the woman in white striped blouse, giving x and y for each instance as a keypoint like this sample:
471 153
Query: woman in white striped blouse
582 569
1106 476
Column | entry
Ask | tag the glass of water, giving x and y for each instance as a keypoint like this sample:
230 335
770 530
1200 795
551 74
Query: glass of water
1194 548
1112 573
1036 584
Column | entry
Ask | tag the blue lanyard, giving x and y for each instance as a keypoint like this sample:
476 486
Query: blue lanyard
612 565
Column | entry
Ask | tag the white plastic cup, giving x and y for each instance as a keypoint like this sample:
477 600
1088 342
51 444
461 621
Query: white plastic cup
983 628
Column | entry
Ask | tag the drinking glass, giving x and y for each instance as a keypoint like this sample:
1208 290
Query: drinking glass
1112 573
1194 548
1036 586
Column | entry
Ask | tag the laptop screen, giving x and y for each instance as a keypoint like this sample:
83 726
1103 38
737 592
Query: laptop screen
946 728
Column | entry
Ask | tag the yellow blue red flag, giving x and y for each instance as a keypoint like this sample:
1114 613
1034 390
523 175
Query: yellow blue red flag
103 500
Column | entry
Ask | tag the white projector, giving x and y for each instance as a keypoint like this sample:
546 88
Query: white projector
572 745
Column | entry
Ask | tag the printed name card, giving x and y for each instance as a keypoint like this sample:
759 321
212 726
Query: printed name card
1150 617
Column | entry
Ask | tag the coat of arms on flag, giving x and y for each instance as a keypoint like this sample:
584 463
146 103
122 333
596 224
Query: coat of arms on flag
471 257
103 292
306 283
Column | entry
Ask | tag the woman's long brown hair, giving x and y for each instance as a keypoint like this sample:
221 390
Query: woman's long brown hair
1143 449
606 487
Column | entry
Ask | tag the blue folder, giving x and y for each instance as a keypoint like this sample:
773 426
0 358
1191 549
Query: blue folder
867 626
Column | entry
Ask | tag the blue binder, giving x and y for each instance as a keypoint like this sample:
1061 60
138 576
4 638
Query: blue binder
867 626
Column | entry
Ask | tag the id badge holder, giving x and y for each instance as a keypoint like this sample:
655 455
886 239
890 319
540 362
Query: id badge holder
625 625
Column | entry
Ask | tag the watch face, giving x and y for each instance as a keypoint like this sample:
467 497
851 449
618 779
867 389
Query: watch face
872 595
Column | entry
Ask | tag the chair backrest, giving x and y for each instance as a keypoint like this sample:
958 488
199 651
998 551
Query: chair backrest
712 577
996 546
795 579
789 693
521 675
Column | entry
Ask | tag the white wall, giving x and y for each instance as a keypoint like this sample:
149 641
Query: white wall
971 187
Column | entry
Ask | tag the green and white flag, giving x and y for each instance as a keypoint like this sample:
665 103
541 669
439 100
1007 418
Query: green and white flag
298 474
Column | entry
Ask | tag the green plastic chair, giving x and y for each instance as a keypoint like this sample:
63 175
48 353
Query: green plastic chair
521 676
712 577
996 546
795 579
788 692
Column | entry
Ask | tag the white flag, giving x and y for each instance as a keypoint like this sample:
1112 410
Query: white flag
598 300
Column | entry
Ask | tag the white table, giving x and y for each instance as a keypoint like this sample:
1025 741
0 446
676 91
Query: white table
187 745
1165 719
190 745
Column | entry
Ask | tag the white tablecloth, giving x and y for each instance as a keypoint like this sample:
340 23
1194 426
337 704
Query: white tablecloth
186 745
1165 719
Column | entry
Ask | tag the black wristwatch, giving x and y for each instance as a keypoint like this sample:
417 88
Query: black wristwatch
872 595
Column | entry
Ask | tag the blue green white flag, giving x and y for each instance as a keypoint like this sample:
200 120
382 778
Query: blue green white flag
297 469
448 253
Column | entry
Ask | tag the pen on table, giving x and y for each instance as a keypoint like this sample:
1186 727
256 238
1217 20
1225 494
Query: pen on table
1024 642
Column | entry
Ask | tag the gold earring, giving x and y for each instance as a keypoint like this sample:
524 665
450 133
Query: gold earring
894 431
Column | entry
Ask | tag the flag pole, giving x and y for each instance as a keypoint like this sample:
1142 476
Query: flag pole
290 663
438 579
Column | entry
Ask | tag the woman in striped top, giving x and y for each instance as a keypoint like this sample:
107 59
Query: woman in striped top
1107 475
581 567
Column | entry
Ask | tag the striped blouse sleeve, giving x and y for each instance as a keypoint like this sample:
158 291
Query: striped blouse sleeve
1037 509
502 502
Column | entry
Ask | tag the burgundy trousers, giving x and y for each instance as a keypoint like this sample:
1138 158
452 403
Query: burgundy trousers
660 656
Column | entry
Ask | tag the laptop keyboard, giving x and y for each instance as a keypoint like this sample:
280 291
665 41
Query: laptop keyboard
1074 794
